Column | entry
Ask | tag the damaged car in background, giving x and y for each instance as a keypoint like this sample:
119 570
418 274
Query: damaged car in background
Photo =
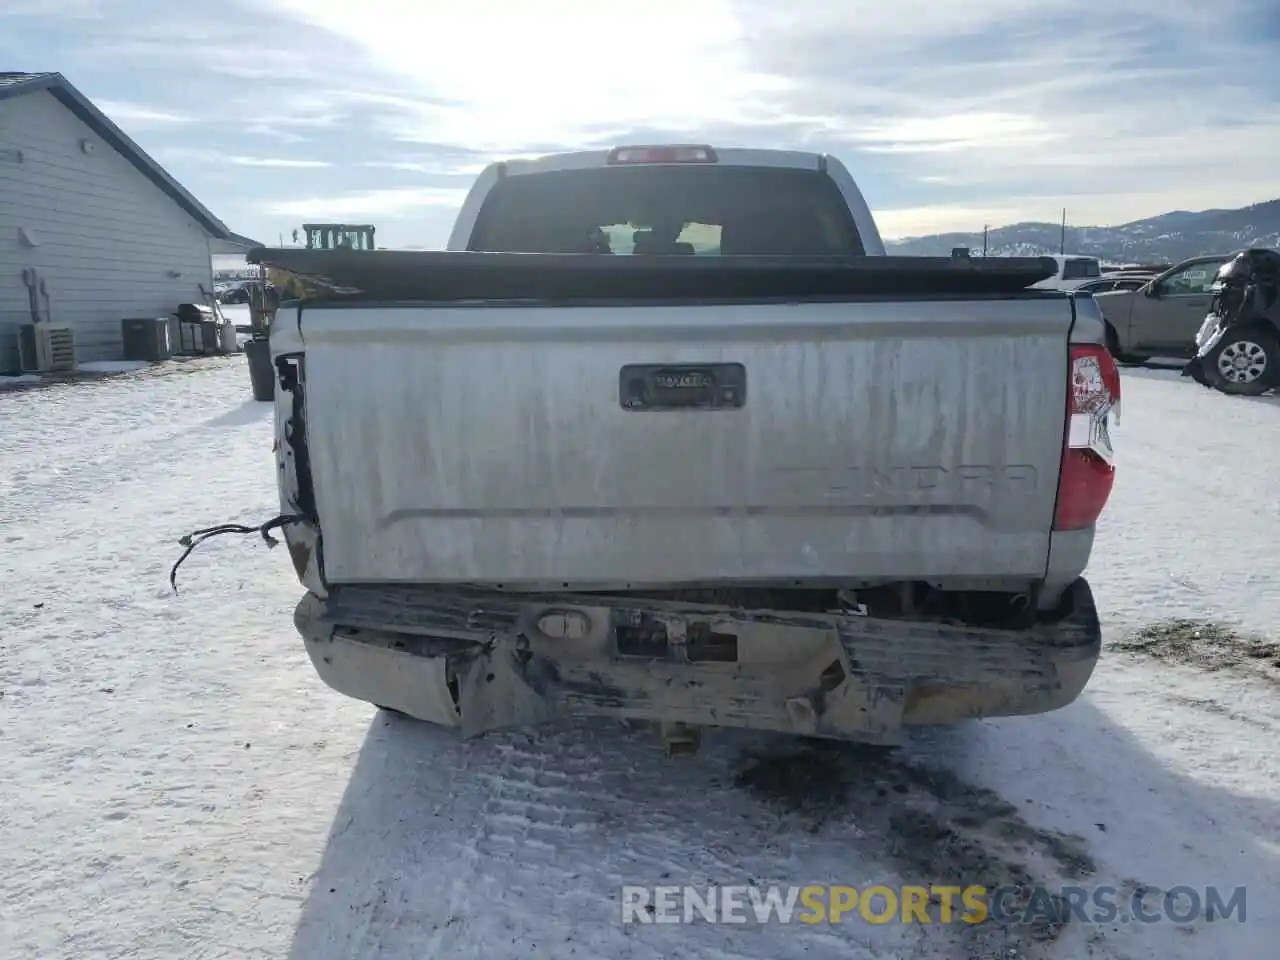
666 436
1238 346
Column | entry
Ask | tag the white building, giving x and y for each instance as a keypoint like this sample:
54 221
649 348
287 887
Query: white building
86 211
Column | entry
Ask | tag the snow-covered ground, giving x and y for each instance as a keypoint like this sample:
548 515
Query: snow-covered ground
178 783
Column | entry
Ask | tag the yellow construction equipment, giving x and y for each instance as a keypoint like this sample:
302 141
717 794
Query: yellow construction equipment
321 236
338 236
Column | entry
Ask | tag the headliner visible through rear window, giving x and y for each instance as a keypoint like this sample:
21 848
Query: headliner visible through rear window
670 209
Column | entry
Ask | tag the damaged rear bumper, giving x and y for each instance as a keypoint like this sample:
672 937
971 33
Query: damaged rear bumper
483 660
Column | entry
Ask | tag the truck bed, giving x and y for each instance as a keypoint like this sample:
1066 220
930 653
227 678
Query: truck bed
602 442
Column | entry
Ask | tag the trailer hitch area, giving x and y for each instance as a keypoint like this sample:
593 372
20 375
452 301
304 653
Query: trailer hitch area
681 739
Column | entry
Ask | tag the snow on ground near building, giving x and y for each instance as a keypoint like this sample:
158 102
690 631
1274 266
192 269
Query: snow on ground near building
178 783
114 366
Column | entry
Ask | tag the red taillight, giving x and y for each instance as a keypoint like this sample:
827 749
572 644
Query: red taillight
678 153
1088 467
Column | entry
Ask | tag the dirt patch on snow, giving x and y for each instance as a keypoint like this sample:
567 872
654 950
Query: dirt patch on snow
939 829
812 782
1208 645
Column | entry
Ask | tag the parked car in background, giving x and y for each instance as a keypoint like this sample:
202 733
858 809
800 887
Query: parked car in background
233 292
239 291
1163 316
1239 343
1072 272
1115 282
1147 269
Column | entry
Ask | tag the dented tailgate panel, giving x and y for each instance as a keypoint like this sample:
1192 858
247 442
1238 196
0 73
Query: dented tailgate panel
763 442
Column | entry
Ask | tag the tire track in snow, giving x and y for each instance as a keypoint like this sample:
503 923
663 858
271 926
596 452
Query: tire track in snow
549 795
562 817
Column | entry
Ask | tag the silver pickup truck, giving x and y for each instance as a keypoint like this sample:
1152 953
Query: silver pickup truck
666 436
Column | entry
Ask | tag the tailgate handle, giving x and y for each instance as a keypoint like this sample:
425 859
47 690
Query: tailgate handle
682 386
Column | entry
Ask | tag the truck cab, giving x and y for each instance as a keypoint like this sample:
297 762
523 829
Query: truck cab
535 206
1072 271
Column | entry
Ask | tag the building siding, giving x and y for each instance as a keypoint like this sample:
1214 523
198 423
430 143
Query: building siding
109 241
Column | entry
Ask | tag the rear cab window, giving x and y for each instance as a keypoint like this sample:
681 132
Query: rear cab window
697 210
1081 269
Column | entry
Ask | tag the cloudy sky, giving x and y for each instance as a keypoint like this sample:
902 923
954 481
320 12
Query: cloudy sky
950 113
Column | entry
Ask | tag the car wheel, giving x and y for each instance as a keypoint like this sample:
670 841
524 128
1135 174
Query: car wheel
1246 362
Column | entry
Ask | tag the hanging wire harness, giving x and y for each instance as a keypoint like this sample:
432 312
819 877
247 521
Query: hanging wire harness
197 537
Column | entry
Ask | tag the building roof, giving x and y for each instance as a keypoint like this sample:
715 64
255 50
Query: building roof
17 84
234 245
245 242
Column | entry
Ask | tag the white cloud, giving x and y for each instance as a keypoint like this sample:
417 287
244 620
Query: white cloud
281 162
504 73
287 116
954 133
211 157
901 223
435 168
1007 110
388 204
950 114
138 115
995 108
64 9
1102 208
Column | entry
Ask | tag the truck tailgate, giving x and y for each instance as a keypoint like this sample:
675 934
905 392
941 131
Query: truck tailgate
856 439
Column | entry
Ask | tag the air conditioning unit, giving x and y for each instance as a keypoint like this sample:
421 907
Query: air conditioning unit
46 349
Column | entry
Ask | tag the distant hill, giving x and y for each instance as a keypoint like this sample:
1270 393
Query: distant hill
1166 238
